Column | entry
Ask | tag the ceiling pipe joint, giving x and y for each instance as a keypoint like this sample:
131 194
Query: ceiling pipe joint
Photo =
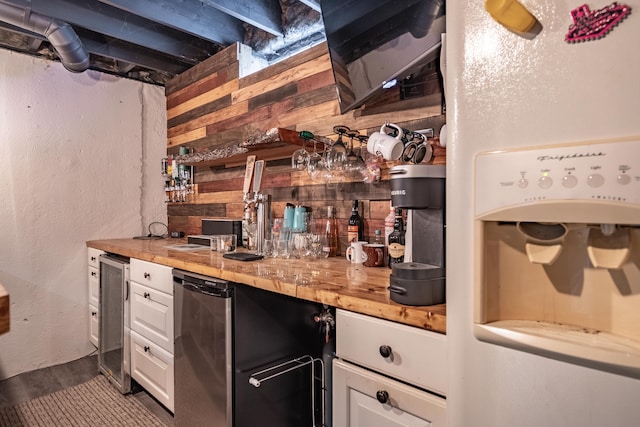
61 35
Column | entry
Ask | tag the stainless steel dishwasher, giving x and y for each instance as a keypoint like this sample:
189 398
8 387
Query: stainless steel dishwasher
226 336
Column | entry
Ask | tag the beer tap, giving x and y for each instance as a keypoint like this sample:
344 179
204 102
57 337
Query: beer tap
257 202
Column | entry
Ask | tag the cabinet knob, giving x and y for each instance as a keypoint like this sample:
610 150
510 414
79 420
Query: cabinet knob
93 258
147 275
146 350
385 351
147 295
94 274
382 396
93 313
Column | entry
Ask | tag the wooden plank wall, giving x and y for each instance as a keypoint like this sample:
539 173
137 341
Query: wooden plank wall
209 106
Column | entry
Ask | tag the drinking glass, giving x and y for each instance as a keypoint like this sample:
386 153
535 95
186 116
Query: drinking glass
282 249
337 155
301 247
315 162
268 248
300 158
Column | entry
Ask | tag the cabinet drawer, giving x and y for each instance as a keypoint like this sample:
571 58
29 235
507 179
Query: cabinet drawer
93 325
152 315
417 356
152 368
357 396
153 275
93 279
93 257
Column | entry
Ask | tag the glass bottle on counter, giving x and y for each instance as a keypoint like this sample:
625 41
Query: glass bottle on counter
396 240
355 226
388 223
331 232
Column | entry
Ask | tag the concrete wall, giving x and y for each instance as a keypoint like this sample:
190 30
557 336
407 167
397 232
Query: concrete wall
79 160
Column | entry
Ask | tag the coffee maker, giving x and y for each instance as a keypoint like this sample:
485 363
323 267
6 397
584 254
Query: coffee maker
420 189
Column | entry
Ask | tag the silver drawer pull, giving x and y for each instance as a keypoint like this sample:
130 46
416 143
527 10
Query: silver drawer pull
385 351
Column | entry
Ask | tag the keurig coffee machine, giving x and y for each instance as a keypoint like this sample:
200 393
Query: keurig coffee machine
420 189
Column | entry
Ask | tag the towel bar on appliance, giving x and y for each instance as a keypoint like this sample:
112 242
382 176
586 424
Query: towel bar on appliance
256 379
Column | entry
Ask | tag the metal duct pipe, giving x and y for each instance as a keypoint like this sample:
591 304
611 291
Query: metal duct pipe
60 34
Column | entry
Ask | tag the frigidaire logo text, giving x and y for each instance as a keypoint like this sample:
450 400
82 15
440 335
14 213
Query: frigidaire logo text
398 192
571 156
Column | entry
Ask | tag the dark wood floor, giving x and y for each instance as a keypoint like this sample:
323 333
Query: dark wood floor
30 385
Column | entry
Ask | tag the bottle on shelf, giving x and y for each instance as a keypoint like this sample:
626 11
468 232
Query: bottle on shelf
331 232
388 224
355 226
377 237
396 240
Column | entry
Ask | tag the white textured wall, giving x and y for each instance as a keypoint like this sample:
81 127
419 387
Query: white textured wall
79 160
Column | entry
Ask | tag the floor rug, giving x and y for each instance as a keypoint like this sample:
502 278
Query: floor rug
94 403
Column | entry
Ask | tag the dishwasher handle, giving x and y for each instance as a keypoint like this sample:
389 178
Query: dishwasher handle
203 284
208 289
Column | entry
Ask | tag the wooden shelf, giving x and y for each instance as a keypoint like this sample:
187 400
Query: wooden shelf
280 146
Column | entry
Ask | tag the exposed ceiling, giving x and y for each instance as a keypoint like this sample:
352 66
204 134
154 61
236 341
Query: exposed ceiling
154 40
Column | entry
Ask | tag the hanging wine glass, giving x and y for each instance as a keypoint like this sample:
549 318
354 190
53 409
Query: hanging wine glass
300 157
337 156
354 164
314 163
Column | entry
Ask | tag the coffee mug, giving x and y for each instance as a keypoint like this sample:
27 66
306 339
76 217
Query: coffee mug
388 146
355 252
374 255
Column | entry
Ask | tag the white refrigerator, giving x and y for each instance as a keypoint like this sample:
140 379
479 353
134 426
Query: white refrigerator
504 90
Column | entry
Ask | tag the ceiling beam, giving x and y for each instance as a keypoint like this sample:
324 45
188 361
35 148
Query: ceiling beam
101 18
263 14
191 16
313 4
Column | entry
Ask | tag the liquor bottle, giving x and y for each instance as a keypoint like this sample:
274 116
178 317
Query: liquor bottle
396 240
331 232
388 224
355 226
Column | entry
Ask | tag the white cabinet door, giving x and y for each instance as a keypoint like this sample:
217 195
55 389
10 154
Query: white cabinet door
152 315
93 325
362 398
94 286
152 368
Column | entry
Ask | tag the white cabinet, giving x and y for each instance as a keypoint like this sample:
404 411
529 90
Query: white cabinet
152 368
151 305
152 315
93 283
382 372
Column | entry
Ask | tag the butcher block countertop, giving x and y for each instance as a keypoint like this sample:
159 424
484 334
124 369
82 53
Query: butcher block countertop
332 281
4 310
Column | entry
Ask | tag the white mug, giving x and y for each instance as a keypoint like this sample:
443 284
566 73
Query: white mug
355 252
390 147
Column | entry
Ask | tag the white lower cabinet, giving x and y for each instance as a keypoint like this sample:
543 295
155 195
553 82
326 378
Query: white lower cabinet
387 374
93 287
151 315
152 368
